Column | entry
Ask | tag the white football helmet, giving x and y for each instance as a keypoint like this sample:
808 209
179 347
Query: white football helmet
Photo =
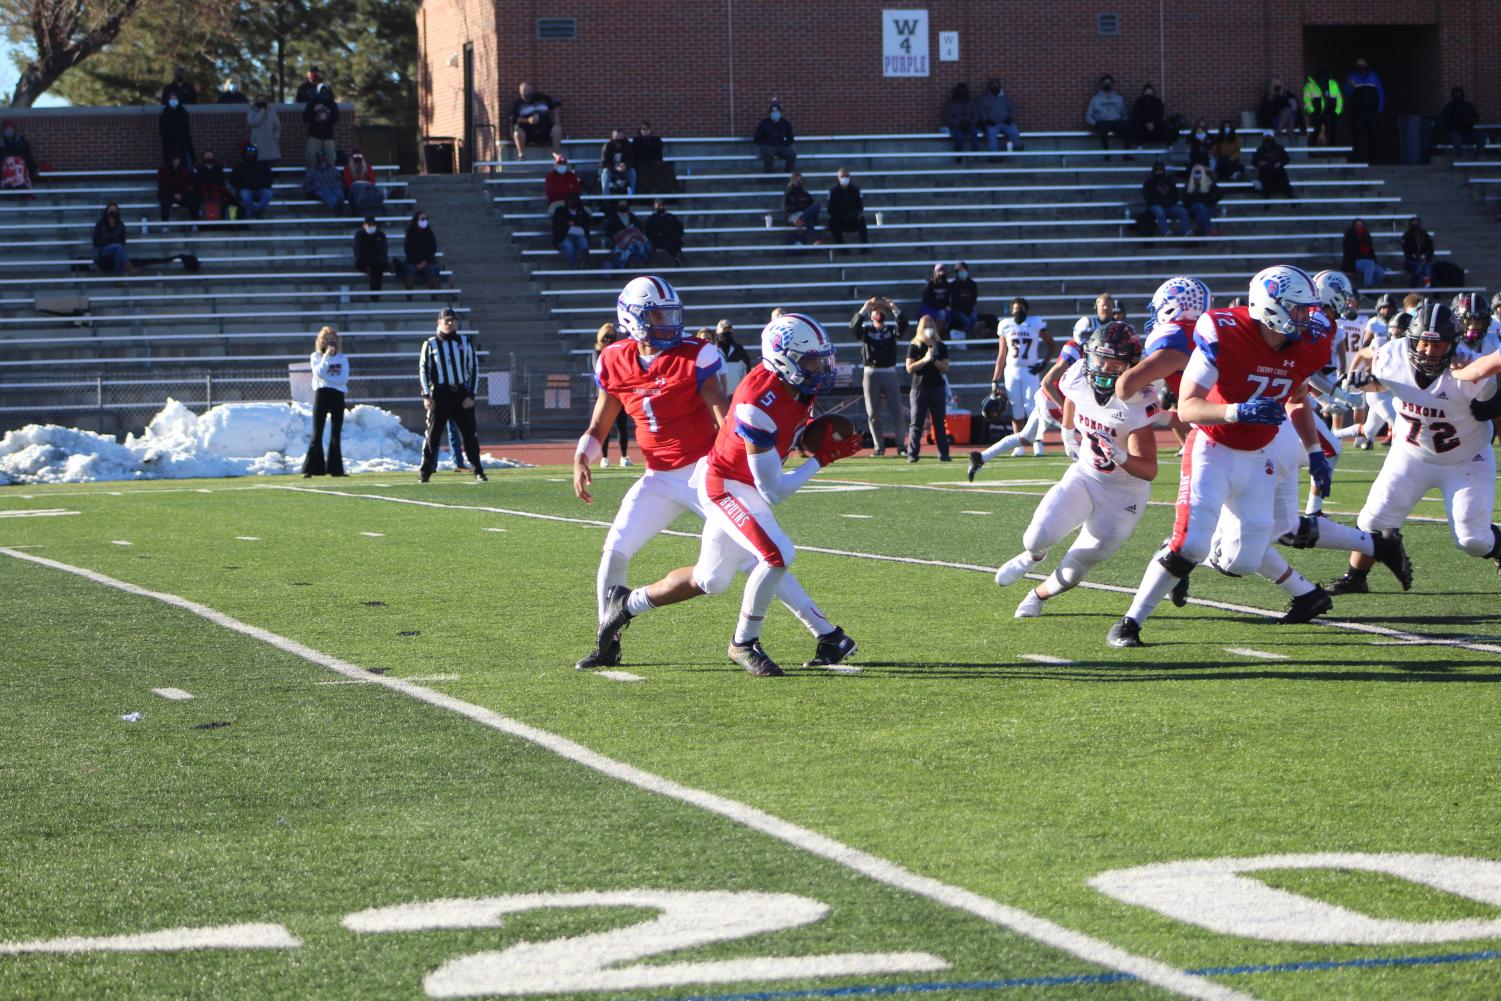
1283 298
797 348
1336 293
650 311
1179 298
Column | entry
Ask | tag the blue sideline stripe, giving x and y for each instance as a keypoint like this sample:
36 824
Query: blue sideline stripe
871 990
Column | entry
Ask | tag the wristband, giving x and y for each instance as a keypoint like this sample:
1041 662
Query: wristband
1231 413
588 449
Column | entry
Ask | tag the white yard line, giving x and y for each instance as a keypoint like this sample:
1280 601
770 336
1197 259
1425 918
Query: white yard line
38 512
374 535
1086 947
173 694
1043 658
1242 651
858 517
619 675
979 513
246 936
247 538
120 542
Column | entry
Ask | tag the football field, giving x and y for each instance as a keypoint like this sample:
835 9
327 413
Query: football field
364 766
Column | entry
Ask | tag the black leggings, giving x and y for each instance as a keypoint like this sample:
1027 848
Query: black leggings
328 404
623 426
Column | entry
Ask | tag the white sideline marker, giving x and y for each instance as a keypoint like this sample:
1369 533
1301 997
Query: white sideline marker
1039 929
842 669
860 517
374 535
243 936
120 542
371 680
1244 651
247 538
497 529
619 675
975 512
173 694
40 512
1043 658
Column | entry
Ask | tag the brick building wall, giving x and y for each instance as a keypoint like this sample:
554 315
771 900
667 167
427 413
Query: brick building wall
710 68
127 137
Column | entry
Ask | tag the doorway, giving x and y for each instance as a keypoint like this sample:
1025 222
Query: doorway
1406 57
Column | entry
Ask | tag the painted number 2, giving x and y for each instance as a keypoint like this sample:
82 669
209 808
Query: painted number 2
685 919
1273 389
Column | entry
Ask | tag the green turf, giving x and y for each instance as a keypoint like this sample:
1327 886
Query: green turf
950 754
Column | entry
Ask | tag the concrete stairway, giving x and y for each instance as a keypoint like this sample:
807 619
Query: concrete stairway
1440 197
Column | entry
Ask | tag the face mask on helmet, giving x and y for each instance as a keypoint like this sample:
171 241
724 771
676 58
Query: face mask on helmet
1110 351
796 348
1431 340
664 326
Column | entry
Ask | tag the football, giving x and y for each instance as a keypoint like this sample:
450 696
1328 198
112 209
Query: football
820 429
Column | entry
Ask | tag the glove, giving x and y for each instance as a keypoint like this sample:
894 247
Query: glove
1486 410
1320 471
1071 444
833 451
1039 368
1356 378
1260 411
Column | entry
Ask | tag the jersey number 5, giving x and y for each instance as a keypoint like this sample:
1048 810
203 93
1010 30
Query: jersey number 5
1101 447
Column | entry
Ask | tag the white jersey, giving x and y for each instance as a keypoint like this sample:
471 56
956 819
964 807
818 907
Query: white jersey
1434 423
1377 329
1023 341
1489 341
1349 335
1086 325
1104 427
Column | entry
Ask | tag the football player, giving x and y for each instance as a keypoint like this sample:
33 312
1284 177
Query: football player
1105 492
1048 411
737 486
1023 347
1349 337
1442 439
1377 413
1477 331
669 386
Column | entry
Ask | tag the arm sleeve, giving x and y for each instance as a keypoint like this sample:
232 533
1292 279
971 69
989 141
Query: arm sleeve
1207 340
471 358
422 369
773 484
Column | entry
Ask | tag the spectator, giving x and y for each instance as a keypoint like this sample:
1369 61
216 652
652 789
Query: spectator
1367 101
1200 195
265 129
1163 201
230 93
846 209
774 139
1149 120
801 211
937 297
175 189
570 230
109 242
997 114
1278 111
964 300
1417 252
1226 150
646 148
1360 255
535 120
320 113
251 181
1270 161
180 88
625 239
617 166
371 254
323 183
928 364
448 371
365 196
877 324
665 231
1323 102
1106 114
961 116
176 130
309 88
214 196
608 335
1458 120
737 361
653 173
420 245
1200 143
561 182
17 166
330 384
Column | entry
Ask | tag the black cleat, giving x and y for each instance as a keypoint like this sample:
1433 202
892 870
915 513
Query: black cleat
616 617
1351 583
1391 554
604 655
1306 607
1125 633
751 657
480 477
976 463
833 648
1179 593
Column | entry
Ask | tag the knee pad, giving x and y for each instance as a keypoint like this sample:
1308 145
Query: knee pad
1306 536
1032 543
1072 568
1175 563
1479 545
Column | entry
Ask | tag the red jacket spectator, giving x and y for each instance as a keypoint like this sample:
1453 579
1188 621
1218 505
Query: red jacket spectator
357 170
560 184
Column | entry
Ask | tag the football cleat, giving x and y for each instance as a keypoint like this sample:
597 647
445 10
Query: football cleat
1391 554
617 617
1037 448
976 463
1125 633
1014 569
605 655
751 657
1018 451
1353 582
833 648
1179 593
480 477
1306 607
1031 606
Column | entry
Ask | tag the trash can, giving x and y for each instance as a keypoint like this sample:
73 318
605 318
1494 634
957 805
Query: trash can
1412 147
438 154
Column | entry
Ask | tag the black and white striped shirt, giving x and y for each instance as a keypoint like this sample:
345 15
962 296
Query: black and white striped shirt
448 362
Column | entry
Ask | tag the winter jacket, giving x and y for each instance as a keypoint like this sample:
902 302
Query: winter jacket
324 178
1367 96
265 132
770 133
612 154
321 114
664 230
250 175
353 174
1316 101
106 234
996 109
1357 247
845 203
1105 106
420 245
960 115
565 218
557 187
175 129
17 145
647 149
1160 190
1417 245
795 200
172 183
370 249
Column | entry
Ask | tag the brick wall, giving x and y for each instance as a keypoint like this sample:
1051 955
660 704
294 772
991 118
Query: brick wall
710 68
127 137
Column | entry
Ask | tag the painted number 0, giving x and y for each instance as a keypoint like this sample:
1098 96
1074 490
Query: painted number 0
685 919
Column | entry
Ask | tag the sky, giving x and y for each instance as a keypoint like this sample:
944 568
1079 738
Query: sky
9 75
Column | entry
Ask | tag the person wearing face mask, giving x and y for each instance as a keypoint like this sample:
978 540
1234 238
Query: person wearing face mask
322 183
801 211
17 166
571 222
1200 142
998 117
964 300
320 116
420 245
937 296
737 361
371 254
175 189
1163 201
1323 102
1278 111
1226 152
628 243
928 365
846 209
231 93
176 130
309 87
877 325
265 129
665 231
1106 114
1148 120
109 242
251 181
214 196
617 165
1367 102
1270 161
560 182
774 139
1200 195
180 88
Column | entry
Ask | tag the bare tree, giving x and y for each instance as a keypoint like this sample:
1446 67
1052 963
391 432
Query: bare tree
64 33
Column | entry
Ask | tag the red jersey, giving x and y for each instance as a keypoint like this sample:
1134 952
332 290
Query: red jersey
1174 336
673 424
767 413
1230 341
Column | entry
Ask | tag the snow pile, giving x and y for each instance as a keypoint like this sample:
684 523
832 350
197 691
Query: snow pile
236 439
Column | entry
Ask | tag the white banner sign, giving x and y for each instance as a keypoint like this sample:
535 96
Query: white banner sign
948 46
904 43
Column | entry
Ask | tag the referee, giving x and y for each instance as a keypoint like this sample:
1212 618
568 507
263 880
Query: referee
449 371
